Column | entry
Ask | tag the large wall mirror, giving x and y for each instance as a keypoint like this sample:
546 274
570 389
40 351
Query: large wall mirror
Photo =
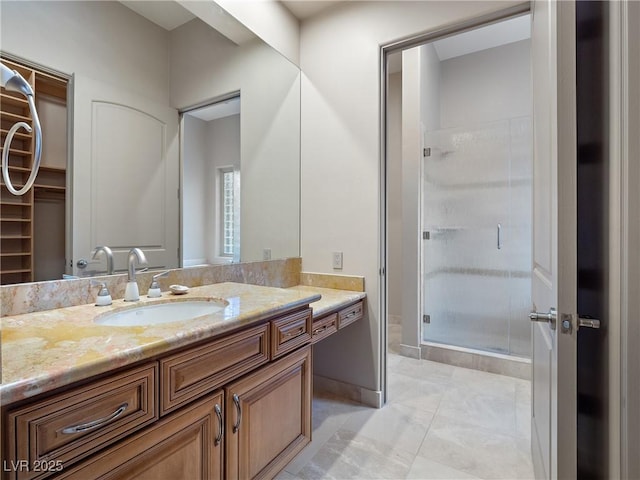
181 140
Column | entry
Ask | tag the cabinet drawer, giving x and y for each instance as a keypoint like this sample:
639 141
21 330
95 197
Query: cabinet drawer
348 315
186 445
71 425
324 327
290 332
187 375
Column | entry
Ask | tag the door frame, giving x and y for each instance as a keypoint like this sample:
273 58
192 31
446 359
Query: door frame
624 431
385 50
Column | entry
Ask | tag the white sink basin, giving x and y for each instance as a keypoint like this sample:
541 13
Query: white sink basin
157 313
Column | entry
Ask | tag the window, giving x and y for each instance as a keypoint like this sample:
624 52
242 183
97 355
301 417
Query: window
228 212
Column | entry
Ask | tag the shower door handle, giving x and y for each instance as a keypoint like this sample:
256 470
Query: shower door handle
499 236
549 318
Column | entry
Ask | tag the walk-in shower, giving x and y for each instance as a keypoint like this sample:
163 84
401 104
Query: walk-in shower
459 178
476 247
476 193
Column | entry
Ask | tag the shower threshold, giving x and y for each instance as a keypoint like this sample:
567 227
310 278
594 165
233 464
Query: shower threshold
510 365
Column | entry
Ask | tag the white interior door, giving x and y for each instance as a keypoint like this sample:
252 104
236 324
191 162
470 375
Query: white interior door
125 176
554 279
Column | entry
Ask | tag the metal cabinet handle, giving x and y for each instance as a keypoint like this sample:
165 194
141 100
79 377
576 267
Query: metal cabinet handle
236 425
499 236
321 329
299 331
83 427
220 425
353 314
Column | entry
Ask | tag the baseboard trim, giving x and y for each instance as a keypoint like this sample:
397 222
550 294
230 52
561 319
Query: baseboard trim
371 398
410 351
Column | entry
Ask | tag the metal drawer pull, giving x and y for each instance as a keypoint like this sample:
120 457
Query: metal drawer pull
220 424
353 314
83 427
236 400
321 329
299 331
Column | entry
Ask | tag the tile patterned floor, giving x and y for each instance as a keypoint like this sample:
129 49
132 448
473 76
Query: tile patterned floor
441 422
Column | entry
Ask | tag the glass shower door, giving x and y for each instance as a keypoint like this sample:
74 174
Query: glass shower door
468 241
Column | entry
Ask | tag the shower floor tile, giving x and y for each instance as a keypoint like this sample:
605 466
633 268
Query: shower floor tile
441 422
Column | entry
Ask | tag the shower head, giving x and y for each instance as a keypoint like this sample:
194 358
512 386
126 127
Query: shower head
13 81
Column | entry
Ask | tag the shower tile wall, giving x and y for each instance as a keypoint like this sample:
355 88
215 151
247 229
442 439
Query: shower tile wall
478 176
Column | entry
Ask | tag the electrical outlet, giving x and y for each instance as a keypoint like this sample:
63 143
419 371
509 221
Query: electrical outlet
266 254
337 260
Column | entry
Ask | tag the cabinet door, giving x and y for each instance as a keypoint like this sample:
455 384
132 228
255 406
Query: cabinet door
268 417
185 445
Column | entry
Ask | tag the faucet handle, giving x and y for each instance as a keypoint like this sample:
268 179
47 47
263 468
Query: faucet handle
154 288
104 297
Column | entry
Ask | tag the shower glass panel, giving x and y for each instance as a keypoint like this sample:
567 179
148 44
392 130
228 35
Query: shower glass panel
476 253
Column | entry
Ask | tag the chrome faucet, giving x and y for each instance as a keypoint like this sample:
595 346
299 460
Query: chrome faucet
132 293
108 255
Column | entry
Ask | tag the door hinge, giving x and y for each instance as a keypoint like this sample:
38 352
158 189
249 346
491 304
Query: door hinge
426 235
426 152
426 318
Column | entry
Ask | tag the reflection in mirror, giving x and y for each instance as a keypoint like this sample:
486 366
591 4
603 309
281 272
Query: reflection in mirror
211 170
131 75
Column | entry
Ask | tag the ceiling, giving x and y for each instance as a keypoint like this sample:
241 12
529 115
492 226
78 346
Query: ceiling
494 35
168 15
222 109
303 9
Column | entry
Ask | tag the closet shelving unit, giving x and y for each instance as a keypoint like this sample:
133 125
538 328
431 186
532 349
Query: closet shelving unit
19 241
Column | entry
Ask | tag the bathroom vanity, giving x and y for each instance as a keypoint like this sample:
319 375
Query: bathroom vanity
225 396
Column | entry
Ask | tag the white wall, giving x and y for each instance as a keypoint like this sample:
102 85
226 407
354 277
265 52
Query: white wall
269 20
394 195
412 143
421 112
195 191
339 55
102 41
485 86
204 66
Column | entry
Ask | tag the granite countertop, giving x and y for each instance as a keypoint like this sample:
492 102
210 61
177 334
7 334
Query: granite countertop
332 300
46 350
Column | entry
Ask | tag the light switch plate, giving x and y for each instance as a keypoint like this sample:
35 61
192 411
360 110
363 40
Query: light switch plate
337 260
266 254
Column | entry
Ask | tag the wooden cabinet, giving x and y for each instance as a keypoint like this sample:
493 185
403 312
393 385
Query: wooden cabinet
187 375
329 324
69 426
268 417
235 407
324 327
290 332
32 230
348 315
222 409
185 445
